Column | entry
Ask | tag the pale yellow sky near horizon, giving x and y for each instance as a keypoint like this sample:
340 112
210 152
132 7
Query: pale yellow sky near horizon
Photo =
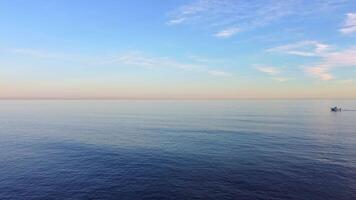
45 90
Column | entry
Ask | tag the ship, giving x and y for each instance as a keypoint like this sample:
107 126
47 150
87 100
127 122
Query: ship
335 109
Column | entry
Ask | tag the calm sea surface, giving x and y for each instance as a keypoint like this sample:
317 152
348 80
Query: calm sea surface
177 150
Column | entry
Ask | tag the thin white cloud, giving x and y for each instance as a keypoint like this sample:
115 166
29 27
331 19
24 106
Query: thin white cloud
227 13
344 58
350 24
347 81
268 70
303 48
205 60
273 72
331 61
319 72
226 33
329 58
175 21
281 79
218 15
219 73
139 59
128 59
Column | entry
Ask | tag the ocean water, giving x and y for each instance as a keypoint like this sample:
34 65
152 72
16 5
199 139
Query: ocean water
177 150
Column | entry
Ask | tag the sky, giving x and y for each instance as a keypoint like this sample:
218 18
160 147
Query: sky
177 49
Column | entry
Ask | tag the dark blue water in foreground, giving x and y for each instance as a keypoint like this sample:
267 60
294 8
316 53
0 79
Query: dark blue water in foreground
177 150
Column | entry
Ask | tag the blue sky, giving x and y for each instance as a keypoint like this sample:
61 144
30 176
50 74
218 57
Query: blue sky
178 49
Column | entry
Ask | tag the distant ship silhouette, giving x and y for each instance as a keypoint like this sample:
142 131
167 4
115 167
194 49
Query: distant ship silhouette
335 109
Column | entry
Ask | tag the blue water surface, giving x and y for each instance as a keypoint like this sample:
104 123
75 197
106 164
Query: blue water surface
72 149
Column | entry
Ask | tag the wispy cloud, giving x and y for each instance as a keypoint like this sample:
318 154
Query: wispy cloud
205 60
268 70
303 48
281 79
175 21
219 73
321 72
139 59
330 59
344 58
128 59
226 33
222 14
273 72
350 24
347 81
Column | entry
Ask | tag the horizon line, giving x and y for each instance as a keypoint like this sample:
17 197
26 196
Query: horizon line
173 99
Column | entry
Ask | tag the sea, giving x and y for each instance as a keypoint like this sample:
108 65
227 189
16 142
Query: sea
168 149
